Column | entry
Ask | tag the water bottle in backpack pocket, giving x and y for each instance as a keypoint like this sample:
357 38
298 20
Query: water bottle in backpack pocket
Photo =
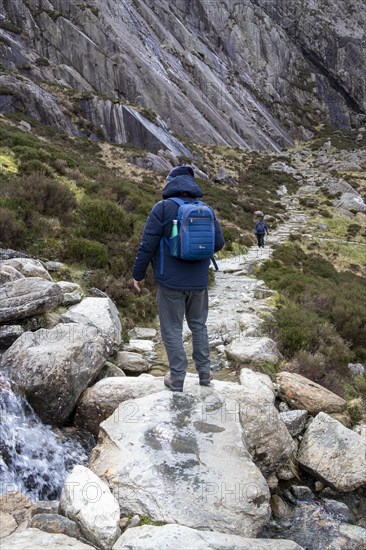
174 242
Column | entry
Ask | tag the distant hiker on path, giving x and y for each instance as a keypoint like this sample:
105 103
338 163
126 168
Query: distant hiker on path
260 229
180 227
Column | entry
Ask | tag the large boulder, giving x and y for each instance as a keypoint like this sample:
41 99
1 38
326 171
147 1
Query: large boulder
178 537
181 458
334 454
253 350
35 538
54 366
267 437
100 312
101 400
24 298
87 500
28 267
301 393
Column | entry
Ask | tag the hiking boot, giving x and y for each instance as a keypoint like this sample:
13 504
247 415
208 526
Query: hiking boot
176 386
205 378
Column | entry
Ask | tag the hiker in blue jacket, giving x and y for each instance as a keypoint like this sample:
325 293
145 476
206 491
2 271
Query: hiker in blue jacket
260 229
182 284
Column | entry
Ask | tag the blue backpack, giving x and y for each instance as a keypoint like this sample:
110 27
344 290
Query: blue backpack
196 233
260 227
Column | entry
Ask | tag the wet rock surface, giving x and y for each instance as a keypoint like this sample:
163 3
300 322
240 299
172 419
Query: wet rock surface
179 537
171 468
54 366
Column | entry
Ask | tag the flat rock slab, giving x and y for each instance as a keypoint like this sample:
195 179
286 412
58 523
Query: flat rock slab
253 350
179 537
26 297
53 367
30 539
334 454
302 393
100 312
181 458
101 400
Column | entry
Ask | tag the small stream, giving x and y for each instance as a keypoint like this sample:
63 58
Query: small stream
34 459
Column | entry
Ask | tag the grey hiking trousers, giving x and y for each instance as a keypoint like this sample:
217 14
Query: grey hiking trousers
173 305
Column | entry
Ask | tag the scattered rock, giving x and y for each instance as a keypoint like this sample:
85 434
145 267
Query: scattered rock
280 509
351 201
8 274
356 369
35 538
100 312
142 333
322 226
54 523
302 492
72 293
282 191
294 421
45 507
132 362
355 533
87 500
109 371
8 524
280 166
17 505
285 473
54 366
55 266
266 436
140 346
152 162
178 537
334 454
8 335
339 509
302 393
24 298
101 400
253 350
223 176
28 267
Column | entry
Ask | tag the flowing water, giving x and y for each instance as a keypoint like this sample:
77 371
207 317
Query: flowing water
34 459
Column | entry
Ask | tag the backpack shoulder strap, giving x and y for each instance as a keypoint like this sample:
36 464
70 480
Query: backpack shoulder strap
178 200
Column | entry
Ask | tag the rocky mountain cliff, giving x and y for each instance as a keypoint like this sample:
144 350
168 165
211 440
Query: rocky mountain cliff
256 74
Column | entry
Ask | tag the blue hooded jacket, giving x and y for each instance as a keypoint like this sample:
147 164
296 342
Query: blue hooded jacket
178 274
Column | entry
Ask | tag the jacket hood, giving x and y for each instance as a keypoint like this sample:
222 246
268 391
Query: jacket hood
180 185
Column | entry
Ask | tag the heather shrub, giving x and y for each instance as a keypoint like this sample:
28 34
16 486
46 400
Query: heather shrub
103 218
92 253
47 196
12 229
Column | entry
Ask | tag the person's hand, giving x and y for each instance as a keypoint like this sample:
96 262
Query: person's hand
136 285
